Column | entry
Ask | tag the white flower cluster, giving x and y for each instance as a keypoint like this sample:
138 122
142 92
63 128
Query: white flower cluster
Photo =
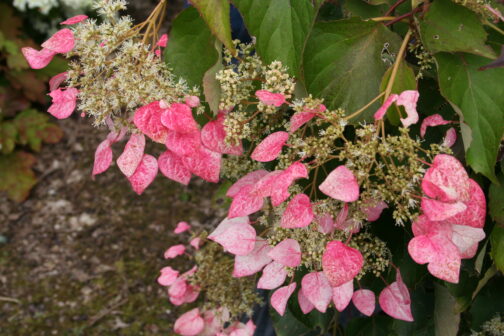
44 6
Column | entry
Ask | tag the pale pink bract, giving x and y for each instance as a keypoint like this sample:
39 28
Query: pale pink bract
270 98
144 174
450 137
132 155
249 179
254 261
273 276
305 304
342 295
430 121
341 184
238 239
365 301
172 166
287 253
280 297
409 100
190 323
395 300
298 213
168 276
174 251
341 263
74 19
317 290
270 147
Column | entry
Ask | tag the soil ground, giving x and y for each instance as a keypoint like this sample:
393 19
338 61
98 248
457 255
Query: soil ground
81 256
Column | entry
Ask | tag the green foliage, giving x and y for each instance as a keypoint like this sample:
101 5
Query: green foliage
16 176
344 62
404 80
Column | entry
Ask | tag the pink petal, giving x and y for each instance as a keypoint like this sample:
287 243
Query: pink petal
148 120
317 290
395 301
192 101
430 121
172 166
249 179
190 323
281 296
174 251
383 109
409 100
227 223
182 227
439 252
342 295
373 212
273 276
37 59
56 80
341 184
341 222
299 119
163 41
178 289
438 211
184 144
238 239
450 137
64 102
74 20
298 213
132 155
270 147
168 276
365 301
254 261
61 42
245 203
325 223
195 243
305 304
269 98
178 117
144 174
341 263
103 157
475 213
466 239
205 164
213 136
287 253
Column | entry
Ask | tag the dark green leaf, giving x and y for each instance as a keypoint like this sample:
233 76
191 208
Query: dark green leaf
497 243
446 320
344 63
211 86
451 27
478 96
376 325
16 176
216 15
191 49
496 200
281 28
487 303
363 9
8 134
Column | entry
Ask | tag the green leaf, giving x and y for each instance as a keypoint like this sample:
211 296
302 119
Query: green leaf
34 128
344 63
497 251
191 49
479 97
211 86
216 15
405 80
16 176
376 325
281 28
446 320
8 134
451 27
496 200
364 9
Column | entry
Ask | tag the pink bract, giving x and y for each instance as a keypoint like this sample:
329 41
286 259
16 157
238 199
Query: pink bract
409 100
317 290
438 210
74 19
56 80
238 239
163 41
254 261
172 166
61 42
373 210
168 276
249 179
305 304
298 119
298 213
341 184
184 144
270 147
195 242
148 120
365 301
192 101
38 59
225 224
144 174
475 213
213 137
287 253
341 263
64 102
273 276
395 300
205 164
325 223
270 98
132 155
189 323
174 251
342 295
102 158
182 227
450 137
383 109
245 203
178 117
281 296
430 121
